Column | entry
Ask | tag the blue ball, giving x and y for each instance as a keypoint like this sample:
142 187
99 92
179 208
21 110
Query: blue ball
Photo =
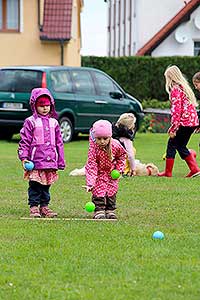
158 235
29 166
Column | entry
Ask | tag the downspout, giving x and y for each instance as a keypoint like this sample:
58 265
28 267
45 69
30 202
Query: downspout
39 21
135 27
62 52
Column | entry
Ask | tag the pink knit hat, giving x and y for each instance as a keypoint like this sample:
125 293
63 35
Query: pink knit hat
102 128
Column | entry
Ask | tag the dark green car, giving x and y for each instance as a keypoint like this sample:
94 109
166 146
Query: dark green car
82 96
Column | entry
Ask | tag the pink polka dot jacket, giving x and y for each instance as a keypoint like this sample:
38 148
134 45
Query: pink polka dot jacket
183 113
99 167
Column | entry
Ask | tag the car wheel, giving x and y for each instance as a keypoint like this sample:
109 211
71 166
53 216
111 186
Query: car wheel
67 129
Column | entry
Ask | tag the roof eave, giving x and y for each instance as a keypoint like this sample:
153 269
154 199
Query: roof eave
46 38
151 44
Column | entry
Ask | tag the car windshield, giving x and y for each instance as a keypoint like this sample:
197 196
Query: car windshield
19 80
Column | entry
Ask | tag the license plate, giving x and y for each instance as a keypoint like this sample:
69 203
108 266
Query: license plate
12 105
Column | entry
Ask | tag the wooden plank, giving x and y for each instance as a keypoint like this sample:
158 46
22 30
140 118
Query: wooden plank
66 219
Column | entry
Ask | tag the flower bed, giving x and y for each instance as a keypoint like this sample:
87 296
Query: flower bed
156 120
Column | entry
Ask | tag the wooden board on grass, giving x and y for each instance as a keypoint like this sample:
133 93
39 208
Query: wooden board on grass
66 219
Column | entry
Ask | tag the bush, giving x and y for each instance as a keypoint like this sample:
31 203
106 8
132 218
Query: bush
154 103
143 76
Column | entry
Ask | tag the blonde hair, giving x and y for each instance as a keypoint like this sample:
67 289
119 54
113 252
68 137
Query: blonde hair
108 149
196 77
173 76
127 119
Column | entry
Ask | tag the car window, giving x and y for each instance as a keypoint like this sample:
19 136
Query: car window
83 82
19 80
105 84
61 81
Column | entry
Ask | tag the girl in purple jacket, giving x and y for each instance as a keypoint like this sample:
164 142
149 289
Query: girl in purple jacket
41 142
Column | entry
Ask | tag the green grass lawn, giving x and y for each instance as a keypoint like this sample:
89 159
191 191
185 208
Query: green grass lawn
75 260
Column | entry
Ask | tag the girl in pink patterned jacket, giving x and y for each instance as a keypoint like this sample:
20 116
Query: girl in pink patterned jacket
184 120
104 155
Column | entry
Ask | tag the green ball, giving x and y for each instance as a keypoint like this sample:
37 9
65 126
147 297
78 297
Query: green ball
89 207
115 174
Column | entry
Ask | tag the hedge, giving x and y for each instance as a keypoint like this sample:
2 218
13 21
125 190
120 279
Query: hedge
143 77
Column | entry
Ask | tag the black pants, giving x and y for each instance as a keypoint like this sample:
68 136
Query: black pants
38 194
104 203
179 142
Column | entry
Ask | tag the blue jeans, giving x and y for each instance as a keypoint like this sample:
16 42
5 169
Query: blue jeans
38 194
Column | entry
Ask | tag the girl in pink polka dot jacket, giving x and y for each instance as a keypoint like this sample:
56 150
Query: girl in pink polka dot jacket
104 155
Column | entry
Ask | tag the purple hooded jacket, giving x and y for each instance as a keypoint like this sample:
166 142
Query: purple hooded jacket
41 140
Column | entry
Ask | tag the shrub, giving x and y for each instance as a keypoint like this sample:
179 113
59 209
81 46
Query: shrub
154 103
143 76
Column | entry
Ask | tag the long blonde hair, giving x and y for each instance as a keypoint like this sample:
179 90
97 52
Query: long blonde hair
127 119
173 76
109 150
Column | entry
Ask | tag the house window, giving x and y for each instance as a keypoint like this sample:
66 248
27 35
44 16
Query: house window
9 15
196 48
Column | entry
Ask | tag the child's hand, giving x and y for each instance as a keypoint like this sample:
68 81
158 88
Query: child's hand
172 135
132 173
88 188
23 163
197 130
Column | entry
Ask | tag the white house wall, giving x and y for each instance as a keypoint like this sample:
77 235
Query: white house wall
132 23
170 46
153 15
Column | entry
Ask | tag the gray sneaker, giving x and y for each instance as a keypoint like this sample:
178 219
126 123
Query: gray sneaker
99 215
110 214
